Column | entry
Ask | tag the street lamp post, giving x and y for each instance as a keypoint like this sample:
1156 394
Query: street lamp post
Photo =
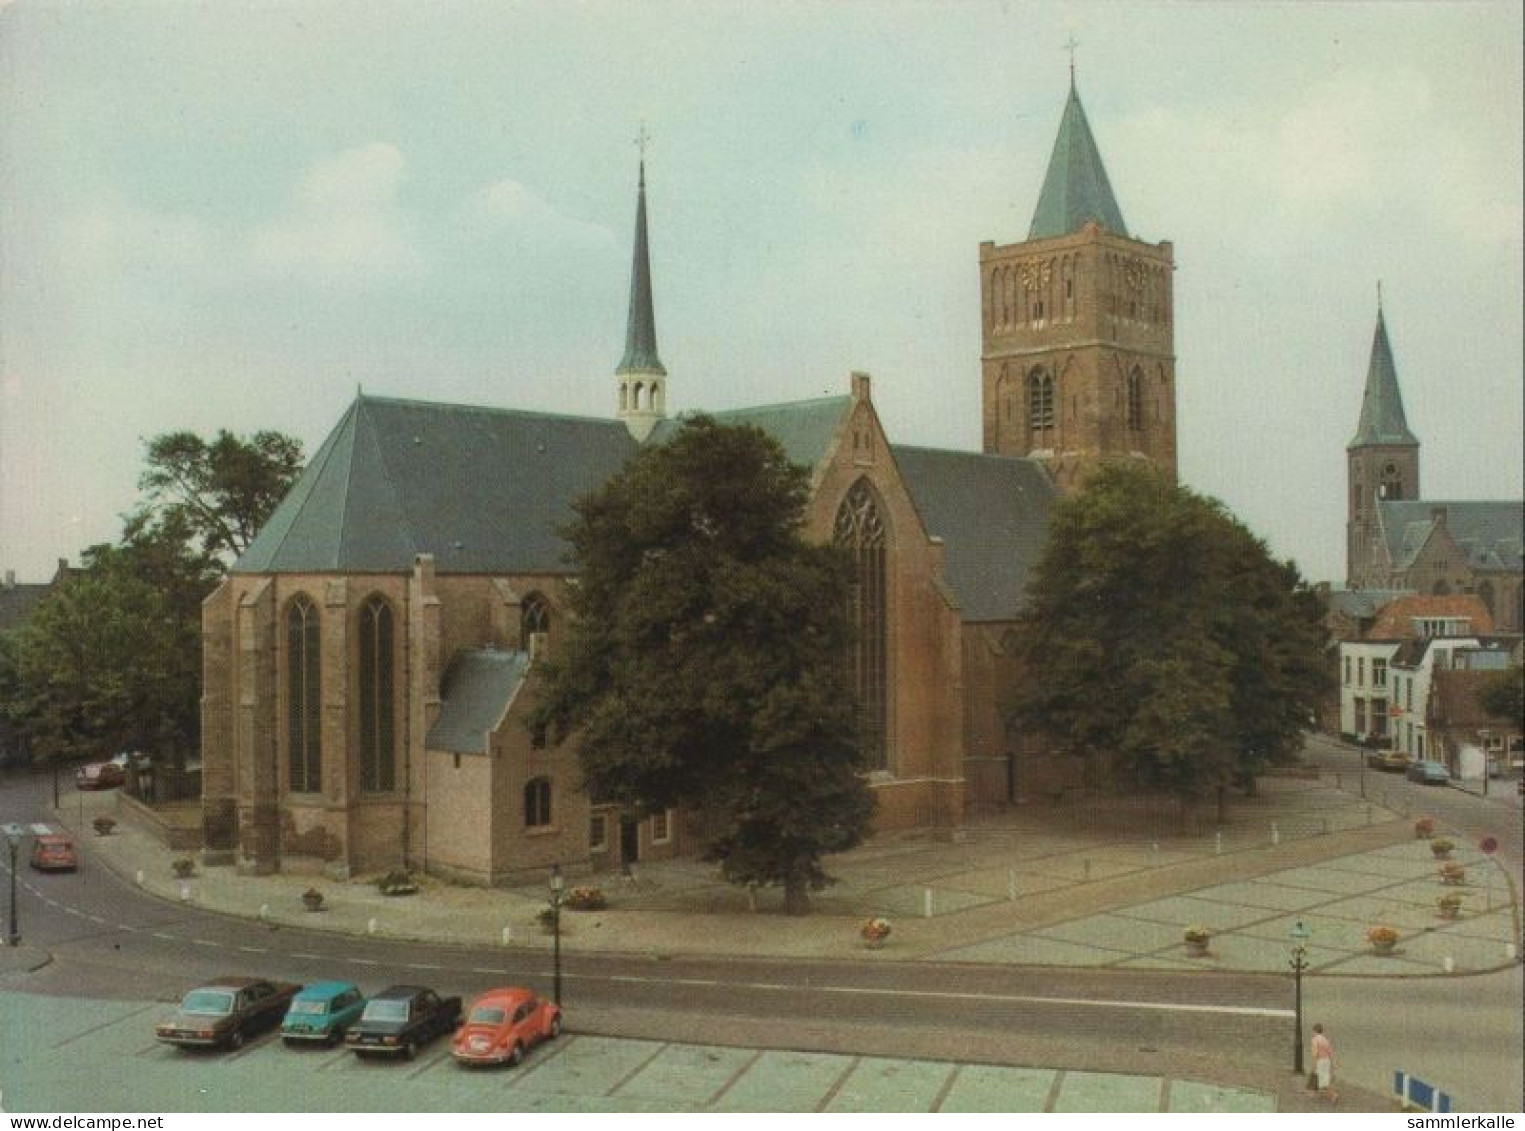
13 837
1299 963
556 884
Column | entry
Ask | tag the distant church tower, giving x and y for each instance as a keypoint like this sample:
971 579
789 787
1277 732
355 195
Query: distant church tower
1382 461
1078 326
641 376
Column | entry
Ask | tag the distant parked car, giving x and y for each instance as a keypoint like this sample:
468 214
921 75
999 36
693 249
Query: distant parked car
401 1018
322 1013
54 852
227 1011
504 1024
1430 773
99 775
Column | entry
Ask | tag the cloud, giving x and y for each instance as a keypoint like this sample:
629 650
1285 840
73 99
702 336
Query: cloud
345 226
510 209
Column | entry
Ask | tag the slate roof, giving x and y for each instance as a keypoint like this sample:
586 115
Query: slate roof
1076 188
478 689
1382 419
805 429
483 490
992 513
1491 534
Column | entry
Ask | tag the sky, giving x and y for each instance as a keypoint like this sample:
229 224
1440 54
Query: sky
234 215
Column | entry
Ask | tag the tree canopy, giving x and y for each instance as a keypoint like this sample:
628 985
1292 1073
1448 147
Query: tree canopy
111 659
704 666
1161 637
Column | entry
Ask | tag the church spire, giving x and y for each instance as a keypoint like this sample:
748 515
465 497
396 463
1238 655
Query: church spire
642 377
1076 188
1382 419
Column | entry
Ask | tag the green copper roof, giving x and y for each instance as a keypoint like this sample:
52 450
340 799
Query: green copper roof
1076 188
1382 419
641 329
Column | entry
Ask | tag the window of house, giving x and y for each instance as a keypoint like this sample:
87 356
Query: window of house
304 695
598 832
378 760
860 529
661 827
537 803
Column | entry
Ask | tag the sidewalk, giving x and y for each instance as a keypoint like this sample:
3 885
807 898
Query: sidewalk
1111 884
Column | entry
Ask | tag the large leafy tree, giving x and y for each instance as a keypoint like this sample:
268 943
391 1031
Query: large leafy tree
704 667
111 660
1161 637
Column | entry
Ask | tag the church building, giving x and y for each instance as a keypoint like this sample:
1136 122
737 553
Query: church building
1396 540
370 660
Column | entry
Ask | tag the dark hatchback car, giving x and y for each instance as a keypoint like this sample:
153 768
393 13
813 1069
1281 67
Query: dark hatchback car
226 1012
1430 773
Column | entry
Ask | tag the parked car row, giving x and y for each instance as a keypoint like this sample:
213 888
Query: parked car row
500 1027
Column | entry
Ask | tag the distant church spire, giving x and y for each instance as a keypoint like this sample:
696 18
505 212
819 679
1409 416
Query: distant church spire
642 377
1382 418
1076 188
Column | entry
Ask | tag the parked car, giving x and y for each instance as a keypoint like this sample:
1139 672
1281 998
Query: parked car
54 852
504 1024
401 1018
1430 773
321 1013
227 1011
99 775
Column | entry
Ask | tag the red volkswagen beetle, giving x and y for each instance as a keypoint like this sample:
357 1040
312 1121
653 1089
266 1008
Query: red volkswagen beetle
504 1024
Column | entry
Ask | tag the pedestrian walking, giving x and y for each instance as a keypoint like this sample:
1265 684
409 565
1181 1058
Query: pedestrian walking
1323 1064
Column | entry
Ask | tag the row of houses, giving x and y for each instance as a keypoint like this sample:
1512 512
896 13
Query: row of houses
1410 669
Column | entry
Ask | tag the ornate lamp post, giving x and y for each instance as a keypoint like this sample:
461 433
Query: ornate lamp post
1299 963
556 885
13 838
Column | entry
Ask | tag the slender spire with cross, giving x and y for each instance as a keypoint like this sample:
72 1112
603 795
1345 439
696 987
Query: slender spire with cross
1070 45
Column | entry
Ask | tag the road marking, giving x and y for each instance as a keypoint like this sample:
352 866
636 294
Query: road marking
953 995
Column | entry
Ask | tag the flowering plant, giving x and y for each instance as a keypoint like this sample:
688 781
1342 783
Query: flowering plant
875 929
586 899
1381 935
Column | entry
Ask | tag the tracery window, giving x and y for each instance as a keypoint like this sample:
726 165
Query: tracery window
860 529
378 760
304 687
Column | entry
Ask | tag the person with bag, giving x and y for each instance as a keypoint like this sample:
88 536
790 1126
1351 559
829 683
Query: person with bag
1322 1078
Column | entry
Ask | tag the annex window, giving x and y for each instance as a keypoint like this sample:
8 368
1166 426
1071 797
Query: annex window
1040 403
378 760
860 529
304 706
537 803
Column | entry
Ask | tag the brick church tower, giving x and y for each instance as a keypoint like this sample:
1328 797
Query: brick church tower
1382 462
1078 357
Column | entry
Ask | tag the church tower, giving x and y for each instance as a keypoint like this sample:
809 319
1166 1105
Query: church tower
1078 359
641 377
1382 461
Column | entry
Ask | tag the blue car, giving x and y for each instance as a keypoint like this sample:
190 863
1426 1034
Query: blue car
1429 773
322 1013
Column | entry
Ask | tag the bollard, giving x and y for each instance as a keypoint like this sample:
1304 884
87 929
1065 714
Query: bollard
370 926
508 936
1218 844
926 911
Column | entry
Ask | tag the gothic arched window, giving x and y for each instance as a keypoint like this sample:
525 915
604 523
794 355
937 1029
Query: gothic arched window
860 529
304 693
1135 400
378 758
1040 402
